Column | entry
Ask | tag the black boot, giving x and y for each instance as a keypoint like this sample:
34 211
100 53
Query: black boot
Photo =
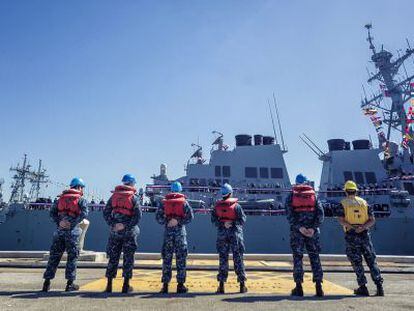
46 286
380 290
126 288
109 286
243 288
71 287
164 289
361 291
298 290
319 290
220 289
181 289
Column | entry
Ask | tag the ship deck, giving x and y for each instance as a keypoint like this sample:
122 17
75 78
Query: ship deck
269 283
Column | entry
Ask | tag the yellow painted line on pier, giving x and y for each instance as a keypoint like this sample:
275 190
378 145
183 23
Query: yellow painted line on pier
206 282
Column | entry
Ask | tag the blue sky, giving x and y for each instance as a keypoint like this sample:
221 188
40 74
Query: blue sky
100 88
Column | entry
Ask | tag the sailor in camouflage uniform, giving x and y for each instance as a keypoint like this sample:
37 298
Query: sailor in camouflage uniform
122 213
305 216
67 212
174 214
229 218
357 217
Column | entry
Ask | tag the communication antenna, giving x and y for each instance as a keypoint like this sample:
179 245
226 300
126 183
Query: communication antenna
279 123
273 121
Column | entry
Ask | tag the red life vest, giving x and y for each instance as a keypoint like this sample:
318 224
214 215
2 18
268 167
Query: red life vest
303 198
226 209
174 205
122 200
68 203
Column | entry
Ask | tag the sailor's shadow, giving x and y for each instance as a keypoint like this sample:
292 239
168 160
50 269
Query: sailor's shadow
276 298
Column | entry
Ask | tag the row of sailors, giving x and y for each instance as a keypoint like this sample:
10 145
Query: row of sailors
123 213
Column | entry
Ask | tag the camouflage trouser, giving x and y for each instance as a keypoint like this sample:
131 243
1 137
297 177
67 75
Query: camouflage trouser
126 242
298 243
358 245
63 240
174 242
225 243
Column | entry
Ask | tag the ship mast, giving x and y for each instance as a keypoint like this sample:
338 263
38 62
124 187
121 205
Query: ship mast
37 178
399 91
20 177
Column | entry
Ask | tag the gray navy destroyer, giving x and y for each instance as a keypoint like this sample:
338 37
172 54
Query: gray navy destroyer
257 170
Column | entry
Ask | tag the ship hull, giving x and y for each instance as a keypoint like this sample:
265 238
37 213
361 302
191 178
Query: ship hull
32 230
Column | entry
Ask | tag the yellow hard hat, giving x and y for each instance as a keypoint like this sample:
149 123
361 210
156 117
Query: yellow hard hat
350 185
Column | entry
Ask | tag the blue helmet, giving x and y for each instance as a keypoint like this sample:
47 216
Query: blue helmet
129 179
300 179
77 182
226 189
176 187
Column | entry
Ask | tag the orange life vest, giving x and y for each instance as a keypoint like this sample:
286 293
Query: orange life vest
68 203
174 205
122 200
226 209
303 198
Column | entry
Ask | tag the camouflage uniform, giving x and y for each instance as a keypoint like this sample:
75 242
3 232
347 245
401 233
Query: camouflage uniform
65 240
358 245
122 241
299 242
230 239
175 241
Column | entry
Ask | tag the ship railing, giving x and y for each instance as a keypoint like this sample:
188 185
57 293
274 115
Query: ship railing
153 209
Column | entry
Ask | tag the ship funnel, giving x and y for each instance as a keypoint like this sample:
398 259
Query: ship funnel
268 140
336 144
243 140
258 140
163 170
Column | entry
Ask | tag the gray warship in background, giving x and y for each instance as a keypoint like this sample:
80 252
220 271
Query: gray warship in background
256 168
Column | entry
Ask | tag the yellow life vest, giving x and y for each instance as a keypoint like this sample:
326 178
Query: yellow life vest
355 210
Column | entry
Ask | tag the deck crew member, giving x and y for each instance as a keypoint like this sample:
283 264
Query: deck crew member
67 212
357 217
229 218
122 213
305 216
174 214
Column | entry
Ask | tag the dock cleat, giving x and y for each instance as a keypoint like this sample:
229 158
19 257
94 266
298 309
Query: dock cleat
361 291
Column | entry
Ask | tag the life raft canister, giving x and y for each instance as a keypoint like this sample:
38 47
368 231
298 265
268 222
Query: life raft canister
68 202
226 209
174 205
355 210
303 198
122 200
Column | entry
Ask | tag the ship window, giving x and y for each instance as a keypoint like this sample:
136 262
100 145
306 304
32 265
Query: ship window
359 178
264 172
276 172
217 171
409 187
203 182
348 176
370 178
226 171
251 172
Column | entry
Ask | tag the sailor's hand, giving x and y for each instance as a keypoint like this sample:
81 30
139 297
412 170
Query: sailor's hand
228 224
310 232
172 223
119 227
64 224
360 229
303 230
